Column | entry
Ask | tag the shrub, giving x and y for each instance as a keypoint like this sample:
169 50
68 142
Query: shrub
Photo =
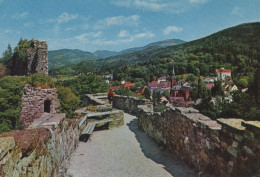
160 108
68 100
11 90
41 80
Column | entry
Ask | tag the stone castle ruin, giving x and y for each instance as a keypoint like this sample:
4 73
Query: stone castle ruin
36 59
36 102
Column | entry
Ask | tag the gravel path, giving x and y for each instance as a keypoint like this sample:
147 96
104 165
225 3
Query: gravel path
124 152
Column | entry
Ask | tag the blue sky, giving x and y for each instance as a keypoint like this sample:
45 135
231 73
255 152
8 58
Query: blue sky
92 25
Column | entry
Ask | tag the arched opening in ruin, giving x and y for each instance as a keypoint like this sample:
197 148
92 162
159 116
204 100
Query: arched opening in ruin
47 106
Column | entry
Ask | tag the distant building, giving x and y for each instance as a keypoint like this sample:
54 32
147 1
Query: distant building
159 86
223 74
163 78
209 80
209 85
108 76
180 91
152 85
140 91
128 85
229 87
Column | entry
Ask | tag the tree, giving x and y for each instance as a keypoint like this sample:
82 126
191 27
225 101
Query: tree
116 83
147 93
7 54
217 89
68 100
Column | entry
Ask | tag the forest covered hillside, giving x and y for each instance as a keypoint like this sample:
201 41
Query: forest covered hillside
64 57
236 48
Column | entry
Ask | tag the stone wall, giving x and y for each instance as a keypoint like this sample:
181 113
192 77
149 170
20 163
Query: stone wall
36 62
129 104
33 103
227 147
43 151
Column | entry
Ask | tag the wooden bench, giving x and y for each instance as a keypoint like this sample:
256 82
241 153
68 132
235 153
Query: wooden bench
90 128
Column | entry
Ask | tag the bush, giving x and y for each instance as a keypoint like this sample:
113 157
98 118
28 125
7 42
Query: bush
160 108
126 92
11 91
41 80
69 101
86 84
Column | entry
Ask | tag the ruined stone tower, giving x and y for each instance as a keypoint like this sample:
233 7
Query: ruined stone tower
36 59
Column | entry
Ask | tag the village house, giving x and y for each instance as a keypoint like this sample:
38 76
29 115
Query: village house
126 85
152 86
163 78
223 74
209 80
140 91
209 86
108 76
229 87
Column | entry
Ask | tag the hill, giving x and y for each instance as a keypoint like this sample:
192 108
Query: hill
159 44
64 57
236 48
105 53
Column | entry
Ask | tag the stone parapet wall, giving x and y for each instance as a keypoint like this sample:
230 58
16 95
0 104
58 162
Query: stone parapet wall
33 103
227 147
129 104
38 152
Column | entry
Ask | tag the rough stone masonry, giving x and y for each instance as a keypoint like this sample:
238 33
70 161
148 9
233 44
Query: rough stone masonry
36 62
226 147
34 103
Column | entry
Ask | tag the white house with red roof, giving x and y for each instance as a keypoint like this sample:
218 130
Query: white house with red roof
223 73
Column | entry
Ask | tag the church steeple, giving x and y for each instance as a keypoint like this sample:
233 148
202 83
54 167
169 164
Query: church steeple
173 72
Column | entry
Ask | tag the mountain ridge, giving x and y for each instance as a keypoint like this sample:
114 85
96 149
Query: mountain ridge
63 57
232 47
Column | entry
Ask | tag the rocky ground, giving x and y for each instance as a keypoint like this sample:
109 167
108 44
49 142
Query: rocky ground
125 152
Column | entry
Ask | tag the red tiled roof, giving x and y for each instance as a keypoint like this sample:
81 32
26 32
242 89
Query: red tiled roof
183 88
128 84
153 84
223 70
210 85
164 84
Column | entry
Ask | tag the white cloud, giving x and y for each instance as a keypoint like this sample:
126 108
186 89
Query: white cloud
198 1
70 28
123 33
144 35
118 21
235 10
85 26
19 15
132 38
28 24
85 36
154 6
65 17
50 20
168 6
171 29
102 42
